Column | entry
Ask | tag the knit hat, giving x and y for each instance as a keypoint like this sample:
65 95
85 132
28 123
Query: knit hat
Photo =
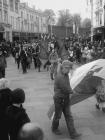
18 96
67 63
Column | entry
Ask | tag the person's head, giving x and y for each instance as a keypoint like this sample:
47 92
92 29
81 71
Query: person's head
31 131
66 66
18 96
4 83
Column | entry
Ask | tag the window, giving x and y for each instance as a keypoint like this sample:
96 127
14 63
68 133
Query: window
11 5
11 20
100 19
4 1
101 3
5 17
21 14
0 14
27 16
16 6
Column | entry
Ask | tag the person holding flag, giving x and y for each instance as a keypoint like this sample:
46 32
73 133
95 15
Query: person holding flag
62 94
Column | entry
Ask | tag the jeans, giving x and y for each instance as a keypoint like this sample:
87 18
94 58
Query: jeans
63 105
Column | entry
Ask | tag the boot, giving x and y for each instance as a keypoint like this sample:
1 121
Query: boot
57 132
75 136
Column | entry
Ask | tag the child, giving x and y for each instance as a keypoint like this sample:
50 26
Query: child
100 96
31 131
16 114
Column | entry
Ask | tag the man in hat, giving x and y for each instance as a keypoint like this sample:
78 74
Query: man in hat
62 92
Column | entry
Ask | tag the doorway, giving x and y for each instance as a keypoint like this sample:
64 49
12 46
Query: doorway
1 36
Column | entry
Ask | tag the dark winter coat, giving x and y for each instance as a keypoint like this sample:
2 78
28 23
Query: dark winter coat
62 87
5 101
17 117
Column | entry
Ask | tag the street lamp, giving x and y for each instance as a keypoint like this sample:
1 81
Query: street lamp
91 20
104 27
50 24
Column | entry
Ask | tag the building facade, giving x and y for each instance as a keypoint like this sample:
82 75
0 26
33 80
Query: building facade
5 27
18 21
99 23
31 22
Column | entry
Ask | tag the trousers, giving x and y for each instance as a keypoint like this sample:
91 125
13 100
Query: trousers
62 105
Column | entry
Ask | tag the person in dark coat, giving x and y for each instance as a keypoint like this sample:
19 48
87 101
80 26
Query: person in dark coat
16 114
5 101
62 92
3 65
23 58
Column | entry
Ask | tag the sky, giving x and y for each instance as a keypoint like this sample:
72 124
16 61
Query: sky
75 6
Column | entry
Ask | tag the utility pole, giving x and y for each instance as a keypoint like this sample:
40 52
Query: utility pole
51 29
91 2
104 28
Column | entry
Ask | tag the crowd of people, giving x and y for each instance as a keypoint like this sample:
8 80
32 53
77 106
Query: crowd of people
15 123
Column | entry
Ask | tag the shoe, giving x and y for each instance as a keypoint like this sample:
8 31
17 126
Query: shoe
103 109
75 136
57 132
97 106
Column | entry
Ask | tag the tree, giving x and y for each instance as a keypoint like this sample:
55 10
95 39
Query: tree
65 18
86 23
50 16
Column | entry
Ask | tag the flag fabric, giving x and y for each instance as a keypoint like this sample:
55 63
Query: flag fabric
94 68
86 79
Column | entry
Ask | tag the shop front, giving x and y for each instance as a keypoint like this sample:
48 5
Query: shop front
15 36
99 33
5 32
1 32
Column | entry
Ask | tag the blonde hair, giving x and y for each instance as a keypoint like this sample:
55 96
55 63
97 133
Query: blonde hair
4 83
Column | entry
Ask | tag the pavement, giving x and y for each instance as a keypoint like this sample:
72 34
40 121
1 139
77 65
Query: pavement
39 91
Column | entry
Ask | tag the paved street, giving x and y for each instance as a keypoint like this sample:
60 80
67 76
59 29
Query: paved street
39 91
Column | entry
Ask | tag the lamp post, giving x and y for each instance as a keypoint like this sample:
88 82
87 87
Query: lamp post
104 28
51 29
66 30
91 20
103 36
